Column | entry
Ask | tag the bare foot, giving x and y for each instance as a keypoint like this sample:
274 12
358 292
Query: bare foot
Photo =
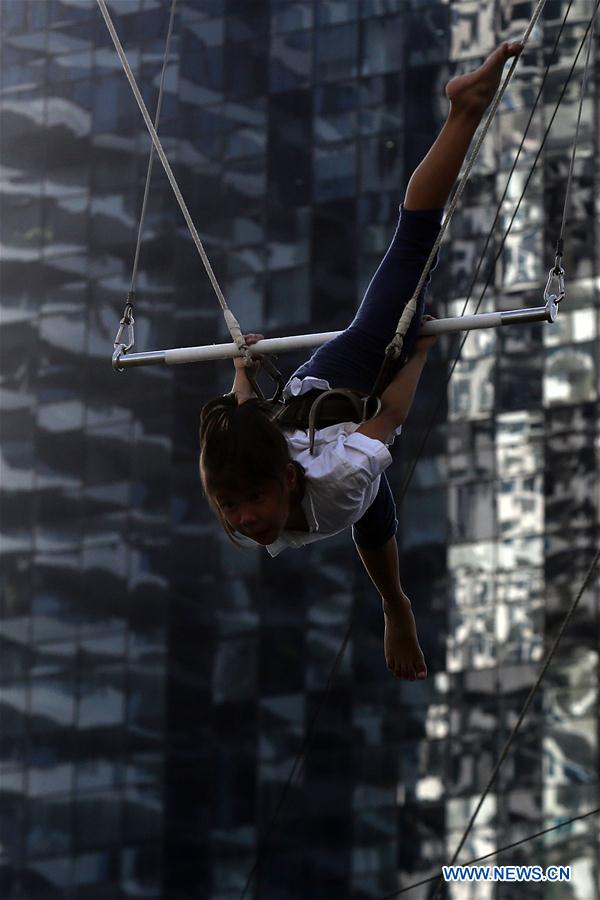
473 92
403 654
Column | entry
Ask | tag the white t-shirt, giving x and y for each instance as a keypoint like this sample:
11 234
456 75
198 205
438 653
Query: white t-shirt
342 474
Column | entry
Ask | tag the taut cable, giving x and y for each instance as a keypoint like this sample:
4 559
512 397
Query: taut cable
230 320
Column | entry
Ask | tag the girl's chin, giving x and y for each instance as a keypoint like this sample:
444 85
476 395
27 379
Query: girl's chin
267 537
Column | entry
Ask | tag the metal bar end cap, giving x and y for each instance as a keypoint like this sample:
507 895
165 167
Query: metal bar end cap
551 308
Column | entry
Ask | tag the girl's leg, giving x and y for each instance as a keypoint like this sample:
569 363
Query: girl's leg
353 359
403 655
375 539
396 278
469 96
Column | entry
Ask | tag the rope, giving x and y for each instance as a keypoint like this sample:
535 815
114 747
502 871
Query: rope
594 563
559 245
230 320
127 320
263 850
523 713
479 859
151 157
502 243
411 306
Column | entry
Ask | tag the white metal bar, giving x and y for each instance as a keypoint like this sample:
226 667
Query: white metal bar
269 346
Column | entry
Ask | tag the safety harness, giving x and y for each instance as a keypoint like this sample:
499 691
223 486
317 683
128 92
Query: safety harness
319 408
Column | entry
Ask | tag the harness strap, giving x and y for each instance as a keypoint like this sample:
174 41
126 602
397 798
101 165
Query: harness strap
351 397
317 409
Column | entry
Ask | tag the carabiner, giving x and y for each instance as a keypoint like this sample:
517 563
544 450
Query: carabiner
126 322
252 369
121 347
556 274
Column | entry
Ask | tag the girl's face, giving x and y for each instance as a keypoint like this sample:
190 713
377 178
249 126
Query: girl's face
260 512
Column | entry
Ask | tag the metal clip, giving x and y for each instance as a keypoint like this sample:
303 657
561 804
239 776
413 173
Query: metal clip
371 407
252 370
253 365
556 274
276 377
126 323
121 346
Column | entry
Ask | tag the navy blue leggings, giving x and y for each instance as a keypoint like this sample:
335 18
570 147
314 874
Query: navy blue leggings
354 358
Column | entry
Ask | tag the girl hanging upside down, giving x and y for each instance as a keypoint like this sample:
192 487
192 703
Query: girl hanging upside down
261 477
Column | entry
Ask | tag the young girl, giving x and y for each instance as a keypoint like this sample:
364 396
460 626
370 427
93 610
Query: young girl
261 478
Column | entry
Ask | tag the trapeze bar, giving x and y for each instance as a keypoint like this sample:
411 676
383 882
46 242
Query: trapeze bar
268 346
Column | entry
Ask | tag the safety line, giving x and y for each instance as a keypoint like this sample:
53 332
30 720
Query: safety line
492 268
151 157
411 306
523 713
231 321
472 862
572 165
308 741
515 163
569 614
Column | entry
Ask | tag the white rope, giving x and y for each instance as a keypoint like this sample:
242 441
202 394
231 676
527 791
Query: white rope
411 307
232 323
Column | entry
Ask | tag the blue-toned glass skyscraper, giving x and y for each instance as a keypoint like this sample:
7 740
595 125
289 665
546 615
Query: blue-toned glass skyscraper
157 685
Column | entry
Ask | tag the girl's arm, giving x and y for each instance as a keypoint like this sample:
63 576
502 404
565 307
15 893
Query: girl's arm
398 397
241 386
396 400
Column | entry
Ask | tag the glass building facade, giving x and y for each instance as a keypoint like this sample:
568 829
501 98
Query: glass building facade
157 686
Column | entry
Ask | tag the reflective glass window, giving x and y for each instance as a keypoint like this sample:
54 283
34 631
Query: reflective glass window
335 172
381 164
333 12
336 52
291 60
291 16
50 828
246 68
380 47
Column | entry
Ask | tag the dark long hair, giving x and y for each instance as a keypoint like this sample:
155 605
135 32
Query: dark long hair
240 445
